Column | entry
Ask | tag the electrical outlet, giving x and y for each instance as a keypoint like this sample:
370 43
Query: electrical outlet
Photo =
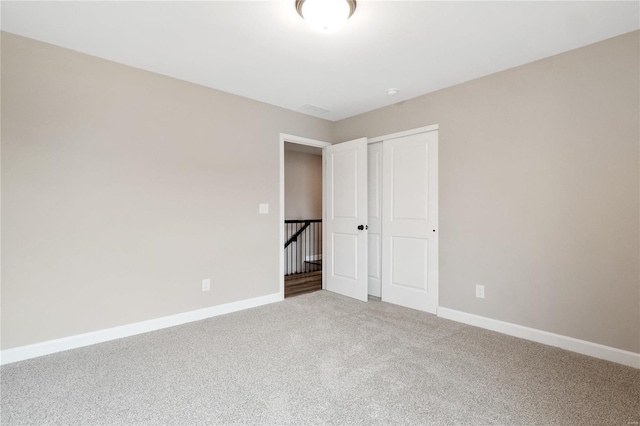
206 284
480 291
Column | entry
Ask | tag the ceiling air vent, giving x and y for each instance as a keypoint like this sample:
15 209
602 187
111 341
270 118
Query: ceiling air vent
313 109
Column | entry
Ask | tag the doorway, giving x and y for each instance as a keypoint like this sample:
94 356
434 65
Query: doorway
301 214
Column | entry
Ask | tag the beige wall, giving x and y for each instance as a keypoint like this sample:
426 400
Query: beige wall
123 189
302 185
539 191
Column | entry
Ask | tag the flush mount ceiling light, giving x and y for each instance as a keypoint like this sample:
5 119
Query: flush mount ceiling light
326 15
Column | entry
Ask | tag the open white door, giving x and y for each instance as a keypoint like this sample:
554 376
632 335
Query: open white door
410 221
344 218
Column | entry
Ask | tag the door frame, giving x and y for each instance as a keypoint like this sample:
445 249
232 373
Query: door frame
405 133
299 140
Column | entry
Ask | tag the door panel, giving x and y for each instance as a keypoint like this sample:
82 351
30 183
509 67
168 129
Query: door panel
345 198
344 255
408 268
410 181
410 221
374 192
374 249
345 192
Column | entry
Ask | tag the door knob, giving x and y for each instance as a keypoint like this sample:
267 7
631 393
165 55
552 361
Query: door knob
361 227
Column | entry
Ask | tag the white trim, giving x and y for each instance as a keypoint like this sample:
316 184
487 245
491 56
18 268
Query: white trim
405 133
303 141
8 356
300 141
583 347
324 214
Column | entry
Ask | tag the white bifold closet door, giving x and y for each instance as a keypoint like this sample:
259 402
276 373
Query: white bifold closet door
410 221
345 218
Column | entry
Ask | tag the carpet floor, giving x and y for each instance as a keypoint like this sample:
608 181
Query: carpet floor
320 358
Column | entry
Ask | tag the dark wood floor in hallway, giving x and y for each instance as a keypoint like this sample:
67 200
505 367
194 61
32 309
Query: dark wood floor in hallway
295 285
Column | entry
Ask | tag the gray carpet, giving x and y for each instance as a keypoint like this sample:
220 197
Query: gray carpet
320 359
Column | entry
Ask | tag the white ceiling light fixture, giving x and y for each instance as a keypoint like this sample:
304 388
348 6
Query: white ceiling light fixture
326 15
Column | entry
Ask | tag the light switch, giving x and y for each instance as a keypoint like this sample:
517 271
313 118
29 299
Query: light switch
264 208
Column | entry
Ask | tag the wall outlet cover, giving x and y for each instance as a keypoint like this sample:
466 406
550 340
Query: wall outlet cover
263 209
206 284
480 291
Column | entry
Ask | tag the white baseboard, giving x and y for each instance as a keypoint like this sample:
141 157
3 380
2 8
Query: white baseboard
58 345
583 347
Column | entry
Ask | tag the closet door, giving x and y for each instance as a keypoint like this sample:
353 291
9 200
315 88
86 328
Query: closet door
410 221
374 181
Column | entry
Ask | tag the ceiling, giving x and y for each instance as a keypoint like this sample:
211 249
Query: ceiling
263 50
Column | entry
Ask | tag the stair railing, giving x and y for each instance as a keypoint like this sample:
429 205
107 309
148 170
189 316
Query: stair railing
303 246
